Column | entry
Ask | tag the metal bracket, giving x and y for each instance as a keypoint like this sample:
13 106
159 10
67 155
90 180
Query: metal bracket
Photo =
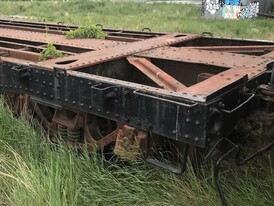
207 34
100 25
261 151
225 149
222 150
165 166
59 71
239 106
20 72
146 29
140 93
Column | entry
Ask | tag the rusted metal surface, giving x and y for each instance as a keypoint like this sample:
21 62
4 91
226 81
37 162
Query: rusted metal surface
25 45
108 54
60 28
41 38
130 142
20 54
197 56
163 79
94 144
236 49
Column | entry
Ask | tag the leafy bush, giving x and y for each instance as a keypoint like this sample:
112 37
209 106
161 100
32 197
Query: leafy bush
86 32
50 52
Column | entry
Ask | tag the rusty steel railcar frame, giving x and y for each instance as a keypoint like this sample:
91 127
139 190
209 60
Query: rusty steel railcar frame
188 88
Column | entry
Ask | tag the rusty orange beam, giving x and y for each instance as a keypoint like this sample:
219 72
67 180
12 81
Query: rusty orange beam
241 49
156 74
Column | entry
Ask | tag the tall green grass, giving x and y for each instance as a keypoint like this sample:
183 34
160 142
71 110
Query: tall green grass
32 172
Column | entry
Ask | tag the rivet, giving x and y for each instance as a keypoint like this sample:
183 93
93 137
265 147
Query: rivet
126 92
196 139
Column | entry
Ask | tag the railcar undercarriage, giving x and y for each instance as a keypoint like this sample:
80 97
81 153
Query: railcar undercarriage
141 92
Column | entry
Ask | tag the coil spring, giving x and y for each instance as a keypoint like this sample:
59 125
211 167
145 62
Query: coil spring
74 135
62 130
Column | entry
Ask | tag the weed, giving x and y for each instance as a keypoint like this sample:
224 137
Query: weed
86 32
50 52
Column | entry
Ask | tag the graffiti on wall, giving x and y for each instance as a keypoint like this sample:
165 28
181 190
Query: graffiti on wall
232 2
212 6
231 9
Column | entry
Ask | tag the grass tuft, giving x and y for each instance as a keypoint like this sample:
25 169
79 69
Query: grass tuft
50 52
86 32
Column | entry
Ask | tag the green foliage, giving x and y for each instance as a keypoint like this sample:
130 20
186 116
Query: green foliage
86 32
34 172
160 17
50 52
